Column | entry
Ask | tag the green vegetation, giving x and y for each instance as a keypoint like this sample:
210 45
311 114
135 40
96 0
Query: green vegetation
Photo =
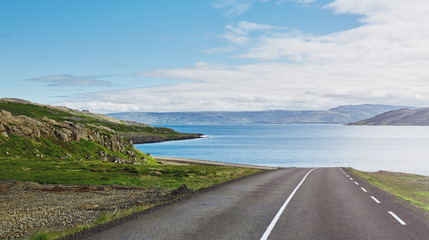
15 147
34 111
77 162
98 172
40 236
410 187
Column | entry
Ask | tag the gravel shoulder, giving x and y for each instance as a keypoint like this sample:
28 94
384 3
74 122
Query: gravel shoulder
27 208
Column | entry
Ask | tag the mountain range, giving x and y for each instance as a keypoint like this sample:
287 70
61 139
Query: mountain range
339 115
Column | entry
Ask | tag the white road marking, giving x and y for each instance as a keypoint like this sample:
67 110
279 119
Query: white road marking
397 218
351 179
347 175
375 199
356 183
363 189
279 213
342 170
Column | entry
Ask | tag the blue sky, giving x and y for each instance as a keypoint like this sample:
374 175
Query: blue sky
112 56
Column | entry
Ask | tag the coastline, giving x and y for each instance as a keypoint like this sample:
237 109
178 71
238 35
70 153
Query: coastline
141 139
187 161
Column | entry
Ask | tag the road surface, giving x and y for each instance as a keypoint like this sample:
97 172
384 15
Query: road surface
295 203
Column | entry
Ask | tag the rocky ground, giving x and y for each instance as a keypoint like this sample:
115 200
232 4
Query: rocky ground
27 208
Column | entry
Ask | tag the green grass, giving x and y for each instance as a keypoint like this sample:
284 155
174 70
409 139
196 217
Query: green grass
50 235
97 172
40 236
409 187
33 111
15 146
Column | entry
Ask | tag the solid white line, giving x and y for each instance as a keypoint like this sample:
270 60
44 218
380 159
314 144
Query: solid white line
397 218
363 189
375 199
279 213
356 183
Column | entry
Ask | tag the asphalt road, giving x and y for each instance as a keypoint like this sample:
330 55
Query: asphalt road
281 204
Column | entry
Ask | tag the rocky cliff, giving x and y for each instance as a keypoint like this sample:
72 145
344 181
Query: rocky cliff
65 131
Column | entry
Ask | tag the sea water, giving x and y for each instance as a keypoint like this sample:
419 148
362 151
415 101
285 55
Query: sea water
367 148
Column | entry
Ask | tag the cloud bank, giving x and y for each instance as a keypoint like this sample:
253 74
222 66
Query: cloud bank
386 60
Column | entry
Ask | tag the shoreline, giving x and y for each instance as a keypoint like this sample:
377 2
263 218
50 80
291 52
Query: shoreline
139 139
187 161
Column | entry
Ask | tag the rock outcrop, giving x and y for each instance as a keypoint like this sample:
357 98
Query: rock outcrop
65 131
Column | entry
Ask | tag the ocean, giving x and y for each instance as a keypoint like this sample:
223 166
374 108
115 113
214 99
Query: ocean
366 148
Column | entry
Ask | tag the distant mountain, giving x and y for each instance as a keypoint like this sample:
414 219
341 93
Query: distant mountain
338 115
401 117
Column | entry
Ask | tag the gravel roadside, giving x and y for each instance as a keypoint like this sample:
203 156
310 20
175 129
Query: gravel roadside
27 208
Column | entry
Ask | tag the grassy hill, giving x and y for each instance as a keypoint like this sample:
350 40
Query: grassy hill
131 129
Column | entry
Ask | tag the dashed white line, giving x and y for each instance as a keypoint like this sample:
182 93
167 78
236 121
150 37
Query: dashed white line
375 199
347 175
279 213
397 218
363 189
356 183
342 171
351 179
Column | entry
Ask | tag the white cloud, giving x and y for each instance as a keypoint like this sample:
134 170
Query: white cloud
101 107
239 34
386 61
67 80
234 7
245 27
299 1
218 50
393 33
238 7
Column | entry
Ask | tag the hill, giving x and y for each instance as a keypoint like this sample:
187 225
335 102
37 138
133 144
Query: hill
338 115
401 117
34 130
